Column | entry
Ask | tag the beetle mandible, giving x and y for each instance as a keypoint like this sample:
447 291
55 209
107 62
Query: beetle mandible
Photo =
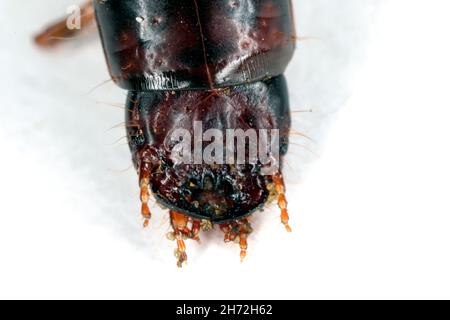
184 62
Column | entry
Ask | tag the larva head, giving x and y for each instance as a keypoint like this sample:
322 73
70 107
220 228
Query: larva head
210 154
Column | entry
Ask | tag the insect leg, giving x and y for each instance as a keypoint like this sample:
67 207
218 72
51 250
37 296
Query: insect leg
226 229
196 226
193 231
179 224
282 203
237 232
231 231
145 194
59 31
245 229
243 244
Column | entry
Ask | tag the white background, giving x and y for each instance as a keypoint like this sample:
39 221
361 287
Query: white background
371 217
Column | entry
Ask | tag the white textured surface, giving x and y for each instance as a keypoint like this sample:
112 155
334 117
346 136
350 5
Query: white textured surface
371 219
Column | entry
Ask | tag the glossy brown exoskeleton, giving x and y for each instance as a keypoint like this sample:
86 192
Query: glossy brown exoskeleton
186 63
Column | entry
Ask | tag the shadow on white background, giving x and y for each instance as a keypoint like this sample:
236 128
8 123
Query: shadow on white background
366 221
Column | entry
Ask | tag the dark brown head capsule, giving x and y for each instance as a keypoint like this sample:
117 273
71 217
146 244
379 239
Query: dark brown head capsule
218 63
